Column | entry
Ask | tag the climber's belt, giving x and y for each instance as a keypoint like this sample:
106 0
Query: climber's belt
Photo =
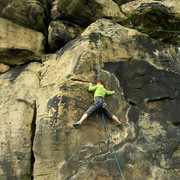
99 98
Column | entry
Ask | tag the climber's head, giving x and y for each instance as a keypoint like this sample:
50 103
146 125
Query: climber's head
100 82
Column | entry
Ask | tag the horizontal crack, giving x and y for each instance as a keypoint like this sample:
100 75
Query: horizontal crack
79 80
176 124
159 99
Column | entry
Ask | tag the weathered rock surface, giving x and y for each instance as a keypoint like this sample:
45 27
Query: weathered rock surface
3 68
30 14
18 88
129 45
40 102
3 4
61 32
158 15
120 2
147 146
54 13
85 12
18 44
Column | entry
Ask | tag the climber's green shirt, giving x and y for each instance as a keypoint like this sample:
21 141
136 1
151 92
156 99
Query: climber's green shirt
100 91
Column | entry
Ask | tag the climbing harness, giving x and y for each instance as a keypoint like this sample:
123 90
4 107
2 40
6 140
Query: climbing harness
99 35
98 97
104 105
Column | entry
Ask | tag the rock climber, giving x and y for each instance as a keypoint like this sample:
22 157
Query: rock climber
99 103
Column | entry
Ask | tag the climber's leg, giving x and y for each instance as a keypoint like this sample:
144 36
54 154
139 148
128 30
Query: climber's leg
110 115
81 120
91 109
117 120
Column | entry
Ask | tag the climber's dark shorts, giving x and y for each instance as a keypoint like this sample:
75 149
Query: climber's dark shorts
99 103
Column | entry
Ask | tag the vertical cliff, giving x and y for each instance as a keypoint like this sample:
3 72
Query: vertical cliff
50 51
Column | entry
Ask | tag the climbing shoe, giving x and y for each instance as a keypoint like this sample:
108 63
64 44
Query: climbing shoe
119 125
77 124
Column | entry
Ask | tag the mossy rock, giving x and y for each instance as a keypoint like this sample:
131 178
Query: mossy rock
26 13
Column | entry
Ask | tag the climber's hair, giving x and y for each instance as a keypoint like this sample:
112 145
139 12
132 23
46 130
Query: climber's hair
102 82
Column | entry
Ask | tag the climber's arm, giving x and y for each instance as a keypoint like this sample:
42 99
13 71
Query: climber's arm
110 92
91 87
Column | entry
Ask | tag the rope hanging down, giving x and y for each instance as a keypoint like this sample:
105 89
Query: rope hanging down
99 35
112 146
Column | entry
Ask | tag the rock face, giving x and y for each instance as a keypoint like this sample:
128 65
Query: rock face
18 88
84 12
61 32
19 44
26 13
40 101
146 89
120 2
156 15
3 68
54 14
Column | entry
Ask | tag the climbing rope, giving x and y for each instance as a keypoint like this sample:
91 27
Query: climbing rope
99 35
159 30
112 145
147 29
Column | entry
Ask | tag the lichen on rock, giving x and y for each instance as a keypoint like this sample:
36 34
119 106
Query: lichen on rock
19 45
40 101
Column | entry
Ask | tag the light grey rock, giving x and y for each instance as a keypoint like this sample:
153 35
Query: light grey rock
18 88
84 13
149 139
157 15
18 44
